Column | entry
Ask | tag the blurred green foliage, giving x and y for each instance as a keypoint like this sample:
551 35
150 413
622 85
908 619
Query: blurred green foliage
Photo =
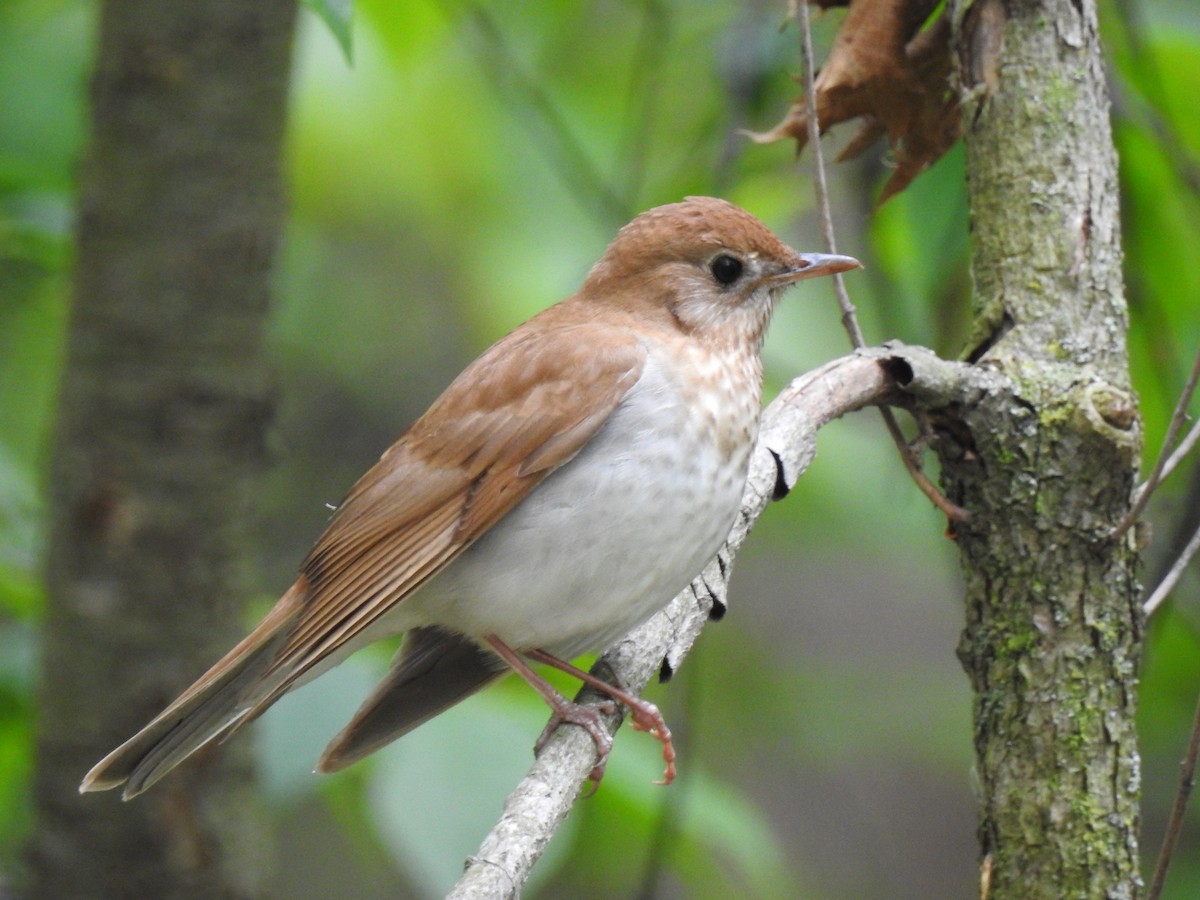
462 173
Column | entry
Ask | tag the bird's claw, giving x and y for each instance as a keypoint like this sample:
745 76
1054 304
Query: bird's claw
587 718
646 717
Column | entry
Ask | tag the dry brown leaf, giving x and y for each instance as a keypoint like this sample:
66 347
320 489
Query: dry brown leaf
892 73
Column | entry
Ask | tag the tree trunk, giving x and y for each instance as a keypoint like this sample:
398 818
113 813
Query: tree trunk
163 411
1047 463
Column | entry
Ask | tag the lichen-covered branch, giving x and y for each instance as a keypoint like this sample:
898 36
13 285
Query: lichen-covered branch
1047 462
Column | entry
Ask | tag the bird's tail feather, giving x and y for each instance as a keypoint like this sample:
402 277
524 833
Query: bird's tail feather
222 699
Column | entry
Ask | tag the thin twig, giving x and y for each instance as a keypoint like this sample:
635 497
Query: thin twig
1186 446
1156 476
552 134
1156 118
645 94
1187 777
849 315
1172 577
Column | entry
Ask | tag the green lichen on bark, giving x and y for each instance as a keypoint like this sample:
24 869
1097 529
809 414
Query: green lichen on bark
1053 623
1052 637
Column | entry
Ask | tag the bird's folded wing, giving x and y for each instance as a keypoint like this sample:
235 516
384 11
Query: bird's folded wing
523 409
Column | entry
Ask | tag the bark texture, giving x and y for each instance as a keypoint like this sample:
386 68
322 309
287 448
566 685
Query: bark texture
1046 461
163 411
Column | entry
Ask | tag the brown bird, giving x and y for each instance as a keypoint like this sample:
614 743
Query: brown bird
561 491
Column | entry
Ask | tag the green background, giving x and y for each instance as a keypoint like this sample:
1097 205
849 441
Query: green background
464 172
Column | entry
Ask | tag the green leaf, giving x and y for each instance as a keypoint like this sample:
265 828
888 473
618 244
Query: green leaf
338 16
435 793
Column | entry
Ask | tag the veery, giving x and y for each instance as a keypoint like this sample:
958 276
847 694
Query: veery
564 488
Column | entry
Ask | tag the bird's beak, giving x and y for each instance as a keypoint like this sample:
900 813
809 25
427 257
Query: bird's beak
813 265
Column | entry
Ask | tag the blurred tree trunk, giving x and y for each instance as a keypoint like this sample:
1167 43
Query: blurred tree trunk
163 412
1047 462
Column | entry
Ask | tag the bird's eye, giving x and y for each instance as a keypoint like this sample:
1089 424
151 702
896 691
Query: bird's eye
726 269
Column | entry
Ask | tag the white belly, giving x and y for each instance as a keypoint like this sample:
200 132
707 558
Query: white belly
608 539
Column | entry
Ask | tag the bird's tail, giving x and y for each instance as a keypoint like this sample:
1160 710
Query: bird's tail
434 669
227 696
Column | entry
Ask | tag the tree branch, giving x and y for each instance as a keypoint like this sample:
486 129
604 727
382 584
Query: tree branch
786 446
1047 465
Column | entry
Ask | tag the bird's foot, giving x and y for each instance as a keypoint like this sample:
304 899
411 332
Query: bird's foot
644 716
587 718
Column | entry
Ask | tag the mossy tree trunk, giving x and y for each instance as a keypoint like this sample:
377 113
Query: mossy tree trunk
1047 462
161 424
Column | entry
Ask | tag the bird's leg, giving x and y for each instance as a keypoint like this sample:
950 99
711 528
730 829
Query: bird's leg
562 709
644 714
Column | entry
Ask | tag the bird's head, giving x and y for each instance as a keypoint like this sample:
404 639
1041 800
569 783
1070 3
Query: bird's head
716 270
